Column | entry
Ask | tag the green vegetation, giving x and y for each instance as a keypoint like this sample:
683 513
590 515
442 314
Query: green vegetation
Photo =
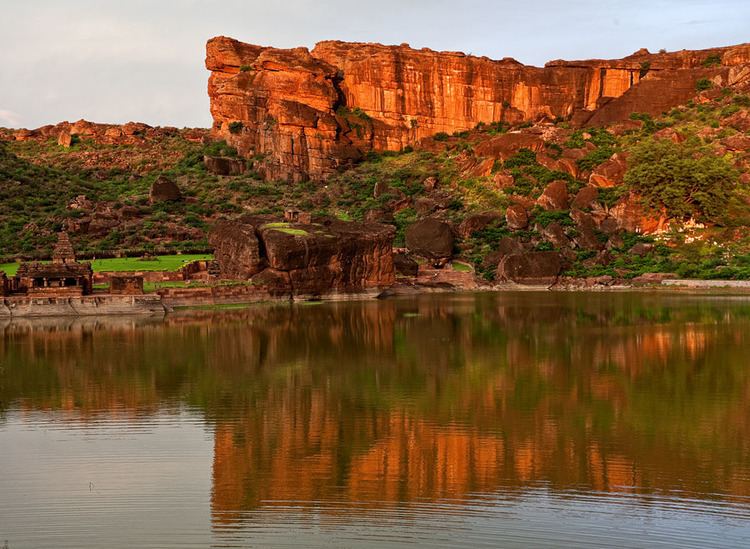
703 84
235 127
682 179
712 61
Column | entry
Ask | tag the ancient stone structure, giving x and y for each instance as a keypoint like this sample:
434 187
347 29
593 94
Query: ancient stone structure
126 284
306 113
306 259
64 276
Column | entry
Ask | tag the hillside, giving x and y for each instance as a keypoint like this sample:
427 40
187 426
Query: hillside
647 194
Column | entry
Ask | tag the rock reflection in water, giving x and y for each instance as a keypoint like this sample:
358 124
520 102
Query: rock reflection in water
434 398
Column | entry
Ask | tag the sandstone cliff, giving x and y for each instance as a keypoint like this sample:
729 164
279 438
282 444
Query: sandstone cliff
303 114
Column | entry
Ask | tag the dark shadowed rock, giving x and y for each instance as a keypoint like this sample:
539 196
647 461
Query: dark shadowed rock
554 233
405 265
223 165
430 238
587 237
236 249
531 268
164 189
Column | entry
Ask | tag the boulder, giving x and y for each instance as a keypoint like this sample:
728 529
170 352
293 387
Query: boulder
236 249
530 268
503 180
554 233
430 238
585 198
555 196
65 139
164 189
405 265
516 217
334 256
740 121
586 230
610 173
477 222
224 165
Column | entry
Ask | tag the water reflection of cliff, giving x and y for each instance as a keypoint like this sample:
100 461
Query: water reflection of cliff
398 401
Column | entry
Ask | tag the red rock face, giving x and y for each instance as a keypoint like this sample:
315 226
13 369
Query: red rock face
304 114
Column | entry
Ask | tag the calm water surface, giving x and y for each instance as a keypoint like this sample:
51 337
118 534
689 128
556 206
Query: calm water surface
505 420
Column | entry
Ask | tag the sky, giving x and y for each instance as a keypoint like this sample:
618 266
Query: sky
143 60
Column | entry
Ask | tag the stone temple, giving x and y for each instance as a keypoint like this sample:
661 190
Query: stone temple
64 276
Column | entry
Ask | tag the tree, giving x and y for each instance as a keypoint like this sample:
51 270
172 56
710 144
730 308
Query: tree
682 179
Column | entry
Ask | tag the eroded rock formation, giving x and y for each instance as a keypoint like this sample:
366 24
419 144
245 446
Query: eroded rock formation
306 259
303 113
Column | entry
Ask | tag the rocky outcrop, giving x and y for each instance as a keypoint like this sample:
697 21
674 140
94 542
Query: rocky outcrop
164 189
303 114
236 249
132 133
222 165
306 259
531 268
430 238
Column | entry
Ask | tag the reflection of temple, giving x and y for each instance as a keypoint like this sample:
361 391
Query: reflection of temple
63 276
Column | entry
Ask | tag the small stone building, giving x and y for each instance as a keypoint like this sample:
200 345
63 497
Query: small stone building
293 215
64 276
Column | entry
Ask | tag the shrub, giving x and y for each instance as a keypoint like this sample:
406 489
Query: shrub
703 84
441 136
524 157
245 68
712 61
235 127
683 179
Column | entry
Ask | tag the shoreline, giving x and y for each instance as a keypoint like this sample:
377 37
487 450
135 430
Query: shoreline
164 303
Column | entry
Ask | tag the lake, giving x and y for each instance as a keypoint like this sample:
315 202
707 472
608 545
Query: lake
455 420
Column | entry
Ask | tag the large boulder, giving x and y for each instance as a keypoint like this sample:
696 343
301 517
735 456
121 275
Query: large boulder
585 198
334 256
430 238
530 268
164 189
516 217
610 173
555 196
236 249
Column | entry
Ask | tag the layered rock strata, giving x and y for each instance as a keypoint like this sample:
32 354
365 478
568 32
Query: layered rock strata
303 114
306 259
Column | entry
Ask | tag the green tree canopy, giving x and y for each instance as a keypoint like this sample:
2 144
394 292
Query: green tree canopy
685 179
